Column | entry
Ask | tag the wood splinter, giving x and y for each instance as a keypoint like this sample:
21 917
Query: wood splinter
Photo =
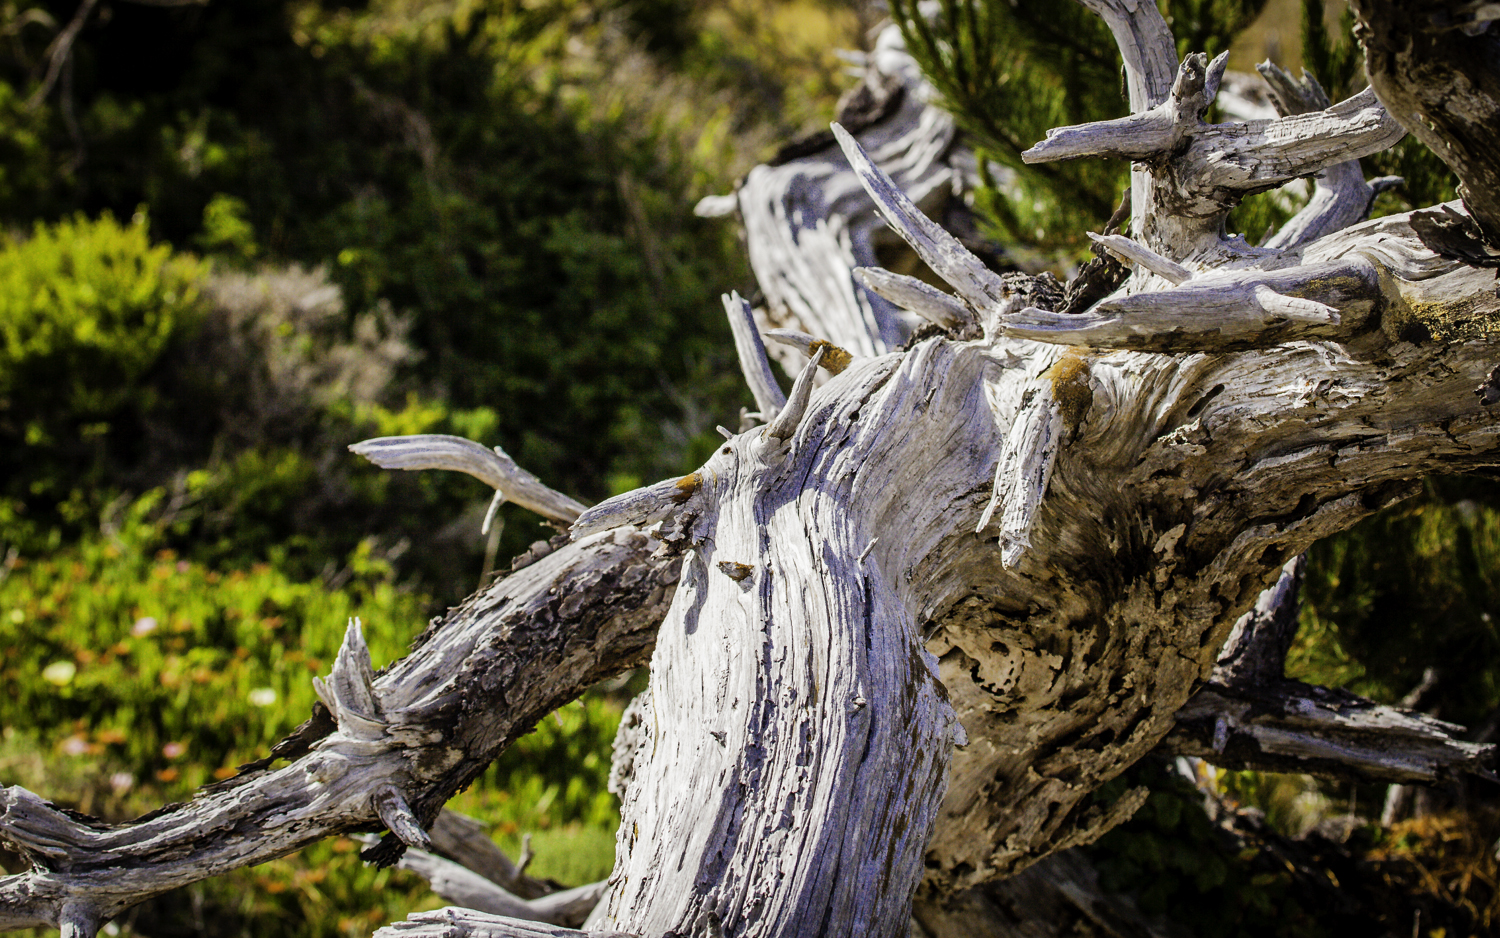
978 286
641 507
399 818
1132 252
490 466
785 424
752 355
918 297
349 690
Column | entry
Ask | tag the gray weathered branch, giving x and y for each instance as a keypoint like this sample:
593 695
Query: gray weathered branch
752 355
456 454
456 883
468 923
1288 726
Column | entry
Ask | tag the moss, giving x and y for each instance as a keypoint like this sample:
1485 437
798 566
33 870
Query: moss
686 486
1070 387
835 359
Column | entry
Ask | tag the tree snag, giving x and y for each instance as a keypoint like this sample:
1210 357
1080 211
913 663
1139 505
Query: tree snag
929 607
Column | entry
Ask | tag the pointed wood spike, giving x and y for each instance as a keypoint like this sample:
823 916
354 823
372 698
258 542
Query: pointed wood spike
492 466
1146 44
752 355
1295 308
494 509
77 920
1132 252
1215 76
641 507
979 286
399 818
918 297
349 690
791 415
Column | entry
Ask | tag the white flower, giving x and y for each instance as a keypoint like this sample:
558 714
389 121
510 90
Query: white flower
60 673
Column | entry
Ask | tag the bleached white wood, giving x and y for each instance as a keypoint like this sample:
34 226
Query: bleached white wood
1218 311
921 298
398 817
639 508
1146 46
781 429
1132 253
1024 468
976 284
456 883
1146 135
808 222
456 454
1341 195
752 354
828 710
468 923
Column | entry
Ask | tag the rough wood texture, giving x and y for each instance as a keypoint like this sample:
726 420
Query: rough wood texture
809 224
1432 62
933 605
1288 726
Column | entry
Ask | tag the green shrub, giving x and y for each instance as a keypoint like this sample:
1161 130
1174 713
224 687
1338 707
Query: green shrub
130 675
1414 587
88 310
173 670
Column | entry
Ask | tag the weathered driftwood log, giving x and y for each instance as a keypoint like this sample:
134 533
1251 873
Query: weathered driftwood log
930 607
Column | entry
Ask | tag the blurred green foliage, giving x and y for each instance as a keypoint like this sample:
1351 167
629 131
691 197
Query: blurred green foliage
88 310
456 161
1175 863
1415 587
175 670
130 676
462 218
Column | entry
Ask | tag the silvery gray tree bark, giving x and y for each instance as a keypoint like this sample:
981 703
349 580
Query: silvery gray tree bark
904 628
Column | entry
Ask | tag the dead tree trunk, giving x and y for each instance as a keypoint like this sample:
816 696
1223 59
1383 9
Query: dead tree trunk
926 610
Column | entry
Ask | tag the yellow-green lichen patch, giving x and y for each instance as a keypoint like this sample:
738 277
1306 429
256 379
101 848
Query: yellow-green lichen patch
1070 387
835 359
1457 307
686 486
